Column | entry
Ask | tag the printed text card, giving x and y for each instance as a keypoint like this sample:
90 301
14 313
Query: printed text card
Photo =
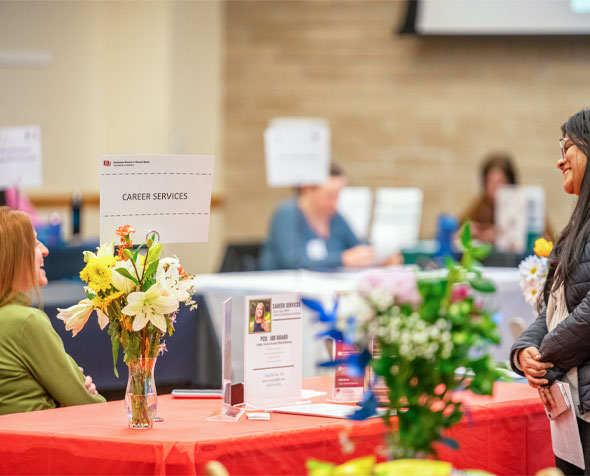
272 350
167 193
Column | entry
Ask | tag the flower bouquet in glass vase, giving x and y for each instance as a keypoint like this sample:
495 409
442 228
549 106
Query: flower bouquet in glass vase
137 294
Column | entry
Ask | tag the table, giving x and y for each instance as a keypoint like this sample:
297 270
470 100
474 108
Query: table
324 286
504 434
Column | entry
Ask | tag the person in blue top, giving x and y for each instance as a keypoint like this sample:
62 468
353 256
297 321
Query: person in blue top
308 232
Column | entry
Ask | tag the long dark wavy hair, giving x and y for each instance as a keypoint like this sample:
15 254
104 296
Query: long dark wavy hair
569 248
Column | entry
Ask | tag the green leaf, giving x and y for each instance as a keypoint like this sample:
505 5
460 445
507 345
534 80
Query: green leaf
90 295
115 344
152 268
127 274
154 252
482 284
148 282
136 254
169 326
480 252
466 236
450 263
133 347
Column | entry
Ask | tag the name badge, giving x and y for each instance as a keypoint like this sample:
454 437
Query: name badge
316 249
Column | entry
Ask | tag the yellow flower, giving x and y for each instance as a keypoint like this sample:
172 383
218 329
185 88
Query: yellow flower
103 302
543 247
97 273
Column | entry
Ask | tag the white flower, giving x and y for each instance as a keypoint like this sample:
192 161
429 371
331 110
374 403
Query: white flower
354 305
76 316
106 249
531 293
168 276
150 306
381 298
533 267
120 282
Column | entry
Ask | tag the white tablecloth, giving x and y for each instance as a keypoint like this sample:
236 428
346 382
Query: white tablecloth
508 300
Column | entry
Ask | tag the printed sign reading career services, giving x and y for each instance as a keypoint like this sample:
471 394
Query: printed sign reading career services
272 350
167 193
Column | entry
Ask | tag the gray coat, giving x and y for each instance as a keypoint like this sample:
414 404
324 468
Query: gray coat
568 345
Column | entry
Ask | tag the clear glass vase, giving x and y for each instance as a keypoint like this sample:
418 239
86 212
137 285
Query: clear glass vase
141 398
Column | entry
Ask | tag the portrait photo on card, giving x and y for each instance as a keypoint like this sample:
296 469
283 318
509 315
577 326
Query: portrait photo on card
259 315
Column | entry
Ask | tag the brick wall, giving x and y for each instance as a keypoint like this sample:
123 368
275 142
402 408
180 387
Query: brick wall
404 110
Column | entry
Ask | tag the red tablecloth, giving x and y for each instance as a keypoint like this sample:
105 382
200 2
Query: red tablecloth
505 434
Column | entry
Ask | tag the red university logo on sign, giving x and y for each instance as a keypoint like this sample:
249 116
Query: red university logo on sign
107 163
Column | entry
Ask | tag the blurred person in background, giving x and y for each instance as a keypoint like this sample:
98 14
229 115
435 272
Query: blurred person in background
497 169
36 373
308 232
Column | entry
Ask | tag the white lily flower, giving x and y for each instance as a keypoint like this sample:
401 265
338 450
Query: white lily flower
106 249
120 282
150 306
168 276
76 316
103 319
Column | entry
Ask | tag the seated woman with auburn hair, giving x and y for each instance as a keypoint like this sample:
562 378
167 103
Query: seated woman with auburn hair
35 371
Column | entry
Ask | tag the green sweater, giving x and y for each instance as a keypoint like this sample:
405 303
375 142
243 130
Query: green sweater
35 371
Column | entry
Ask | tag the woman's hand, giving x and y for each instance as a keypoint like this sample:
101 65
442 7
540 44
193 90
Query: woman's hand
359 256
90 386
88 383
533 369
547 398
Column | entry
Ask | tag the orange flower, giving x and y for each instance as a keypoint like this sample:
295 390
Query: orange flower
543 248
121 248
182 272
124 231
126 323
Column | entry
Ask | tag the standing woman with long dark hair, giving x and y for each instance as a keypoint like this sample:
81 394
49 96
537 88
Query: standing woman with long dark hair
557 345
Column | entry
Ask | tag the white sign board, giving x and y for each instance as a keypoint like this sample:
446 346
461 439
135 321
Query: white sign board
396 219
535 209
272 350
519 210
510 217
297 152
354 204
170 194
20 156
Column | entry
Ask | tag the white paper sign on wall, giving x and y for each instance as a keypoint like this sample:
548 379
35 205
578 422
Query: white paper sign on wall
297 152
20 156
167 193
